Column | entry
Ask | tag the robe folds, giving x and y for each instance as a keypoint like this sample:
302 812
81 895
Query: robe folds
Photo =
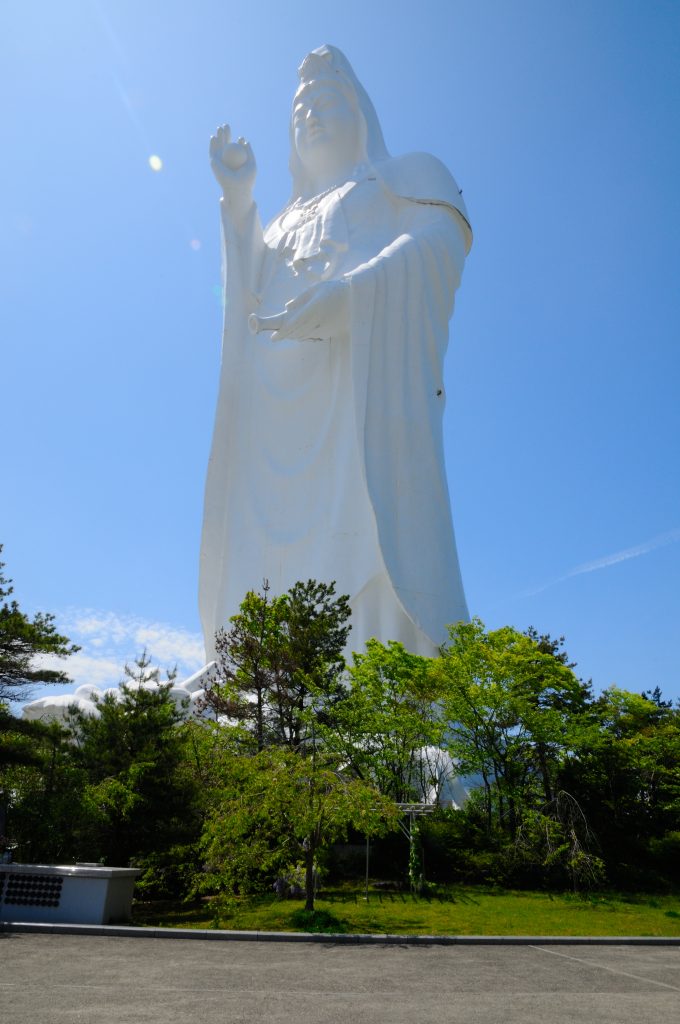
327 459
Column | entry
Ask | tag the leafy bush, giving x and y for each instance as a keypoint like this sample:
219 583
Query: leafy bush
665 855
168 874
319 921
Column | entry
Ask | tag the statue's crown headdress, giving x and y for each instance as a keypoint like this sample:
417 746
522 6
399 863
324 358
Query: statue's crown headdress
320 64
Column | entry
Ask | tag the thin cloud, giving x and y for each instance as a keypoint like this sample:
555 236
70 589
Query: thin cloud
85 668
660 541
109 640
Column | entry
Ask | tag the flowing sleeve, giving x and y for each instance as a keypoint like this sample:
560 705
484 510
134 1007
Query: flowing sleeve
401 302
243 251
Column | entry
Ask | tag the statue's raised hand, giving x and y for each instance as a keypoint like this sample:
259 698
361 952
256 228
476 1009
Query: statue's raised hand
233 164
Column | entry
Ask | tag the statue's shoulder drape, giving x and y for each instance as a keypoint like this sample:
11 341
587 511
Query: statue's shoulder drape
401 304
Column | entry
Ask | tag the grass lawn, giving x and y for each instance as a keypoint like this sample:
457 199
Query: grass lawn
463 910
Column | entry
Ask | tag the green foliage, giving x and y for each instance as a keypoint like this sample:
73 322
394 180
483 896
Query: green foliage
116 788
277 807
248 659
388 720
665 855
280 664
507 705
569 790
47 810
283 792
168 873
318 921
569 784
316 631
22 639
415 859
19 740
555 845
624 770
24 746
113 788
142 800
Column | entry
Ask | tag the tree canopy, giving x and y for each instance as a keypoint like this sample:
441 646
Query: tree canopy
301 751
22 640
280 663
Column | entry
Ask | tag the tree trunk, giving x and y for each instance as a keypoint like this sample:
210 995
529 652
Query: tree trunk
512 816
309 878
545 772
487 803
260 719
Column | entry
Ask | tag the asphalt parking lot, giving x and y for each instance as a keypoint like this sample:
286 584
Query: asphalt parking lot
73 979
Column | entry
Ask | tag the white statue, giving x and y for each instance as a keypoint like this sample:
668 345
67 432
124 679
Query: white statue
327 458
187 696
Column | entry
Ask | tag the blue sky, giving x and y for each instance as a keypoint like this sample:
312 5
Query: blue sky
560 122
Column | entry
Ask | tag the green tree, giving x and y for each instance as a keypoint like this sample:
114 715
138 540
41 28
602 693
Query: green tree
47 812
624 770
282 794
569 782
506 708
512 707
18 740
280 664
141 797
248 663
387 728
22 641
276 808
562 694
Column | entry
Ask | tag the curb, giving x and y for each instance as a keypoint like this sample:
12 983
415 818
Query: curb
135 932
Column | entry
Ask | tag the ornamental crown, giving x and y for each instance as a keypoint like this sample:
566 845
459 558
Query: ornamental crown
320 65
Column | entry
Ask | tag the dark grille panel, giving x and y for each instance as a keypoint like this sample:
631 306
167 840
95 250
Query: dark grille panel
32 890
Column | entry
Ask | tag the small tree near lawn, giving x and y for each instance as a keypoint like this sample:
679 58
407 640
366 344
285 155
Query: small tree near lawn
276 808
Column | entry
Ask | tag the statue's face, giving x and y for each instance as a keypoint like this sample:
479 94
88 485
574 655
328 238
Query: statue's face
325 127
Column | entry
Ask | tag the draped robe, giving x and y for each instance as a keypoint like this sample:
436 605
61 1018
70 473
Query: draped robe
327 459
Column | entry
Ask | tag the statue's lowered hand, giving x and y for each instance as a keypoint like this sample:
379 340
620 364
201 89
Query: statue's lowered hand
233 164
320 313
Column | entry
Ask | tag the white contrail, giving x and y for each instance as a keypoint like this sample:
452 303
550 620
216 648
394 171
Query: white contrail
661 540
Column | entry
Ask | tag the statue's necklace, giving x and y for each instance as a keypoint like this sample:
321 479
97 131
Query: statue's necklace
307 209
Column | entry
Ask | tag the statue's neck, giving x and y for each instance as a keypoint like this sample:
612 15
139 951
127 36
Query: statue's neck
324 181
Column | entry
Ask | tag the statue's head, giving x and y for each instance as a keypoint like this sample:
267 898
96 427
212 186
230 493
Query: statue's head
333 122
328 126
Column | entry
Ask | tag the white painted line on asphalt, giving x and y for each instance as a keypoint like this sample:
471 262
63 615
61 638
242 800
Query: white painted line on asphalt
603 967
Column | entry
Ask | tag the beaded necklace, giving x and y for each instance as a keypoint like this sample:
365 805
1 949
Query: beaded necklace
307 209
